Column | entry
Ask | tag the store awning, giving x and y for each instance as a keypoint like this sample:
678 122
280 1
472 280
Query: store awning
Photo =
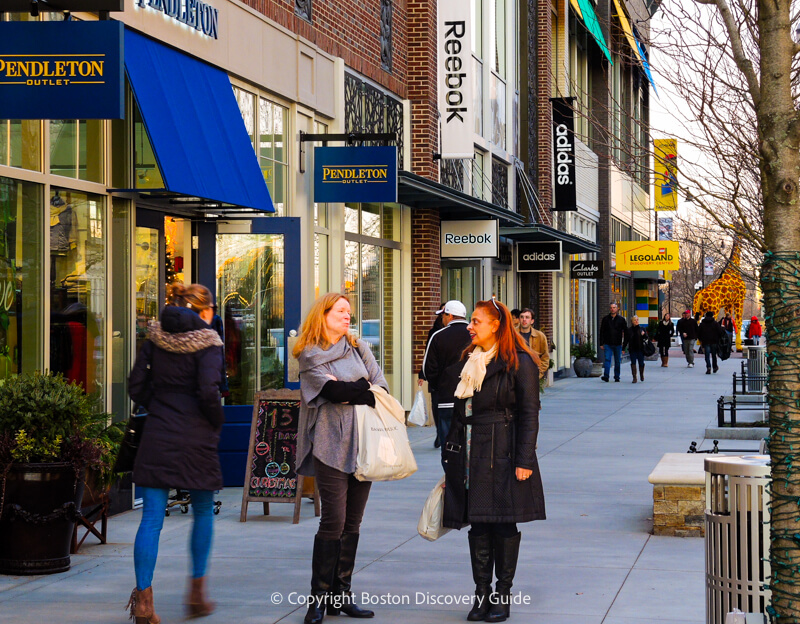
194 124
643 56
540 232
626 28
419 192
586 12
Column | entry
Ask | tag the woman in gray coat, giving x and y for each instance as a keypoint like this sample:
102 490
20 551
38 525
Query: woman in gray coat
491 470
336 372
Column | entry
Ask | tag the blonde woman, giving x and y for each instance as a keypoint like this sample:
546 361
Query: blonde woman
176 377
336 371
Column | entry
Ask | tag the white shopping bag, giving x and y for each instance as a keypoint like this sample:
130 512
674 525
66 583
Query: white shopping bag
419 413
430 521
384 453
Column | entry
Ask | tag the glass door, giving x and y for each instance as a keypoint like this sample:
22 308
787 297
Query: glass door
461 281
149 271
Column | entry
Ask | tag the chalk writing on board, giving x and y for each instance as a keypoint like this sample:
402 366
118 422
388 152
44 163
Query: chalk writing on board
273 466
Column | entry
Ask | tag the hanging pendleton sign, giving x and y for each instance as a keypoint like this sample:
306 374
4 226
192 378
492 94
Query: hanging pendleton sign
586 269
455 79
564 153
665 152
355 174
61 70
647 256
539 257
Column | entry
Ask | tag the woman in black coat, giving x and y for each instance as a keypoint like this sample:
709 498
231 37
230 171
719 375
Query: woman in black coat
664 334
709 332
634 340
176 378
492 474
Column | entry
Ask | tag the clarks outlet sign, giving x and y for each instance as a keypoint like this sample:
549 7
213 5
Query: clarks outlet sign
196 14
61 70
586 269
647 256
470 239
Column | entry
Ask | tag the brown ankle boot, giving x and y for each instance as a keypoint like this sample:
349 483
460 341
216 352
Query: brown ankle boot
197 605
141 607
641 372
633 372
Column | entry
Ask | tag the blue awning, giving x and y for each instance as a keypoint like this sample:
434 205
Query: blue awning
194 125
645 63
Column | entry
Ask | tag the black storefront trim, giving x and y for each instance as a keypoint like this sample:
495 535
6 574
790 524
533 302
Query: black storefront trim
540 232
419 192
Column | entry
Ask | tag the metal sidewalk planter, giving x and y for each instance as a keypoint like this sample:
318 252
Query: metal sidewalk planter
737 535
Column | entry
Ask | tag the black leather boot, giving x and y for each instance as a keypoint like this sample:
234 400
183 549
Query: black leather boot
506 552
633 372
323 569
342 600
481 553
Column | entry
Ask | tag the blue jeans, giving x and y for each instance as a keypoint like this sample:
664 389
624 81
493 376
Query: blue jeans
637 356
443 426
145 549
608 350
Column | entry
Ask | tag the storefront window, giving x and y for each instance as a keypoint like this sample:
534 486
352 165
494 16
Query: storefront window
148 175
250 287
272 153
176 250
121 310
21 144
372 273
76 149
78 287
20 277
320 264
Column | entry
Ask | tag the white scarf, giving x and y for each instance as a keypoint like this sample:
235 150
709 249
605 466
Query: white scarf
474 371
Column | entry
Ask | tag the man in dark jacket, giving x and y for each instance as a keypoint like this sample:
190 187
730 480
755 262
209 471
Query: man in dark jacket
444 349
612 330
437 325
710 333
687 329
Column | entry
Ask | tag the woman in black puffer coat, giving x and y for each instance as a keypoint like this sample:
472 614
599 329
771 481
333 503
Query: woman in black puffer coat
664 334
177 377
491 470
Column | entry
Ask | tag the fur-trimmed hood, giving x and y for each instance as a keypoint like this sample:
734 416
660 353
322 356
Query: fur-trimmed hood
182 331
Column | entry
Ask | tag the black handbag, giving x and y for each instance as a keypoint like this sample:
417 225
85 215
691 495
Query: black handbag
130 443
648 347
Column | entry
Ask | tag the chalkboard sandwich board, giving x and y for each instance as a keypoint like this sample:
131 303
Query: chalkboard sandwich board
272 453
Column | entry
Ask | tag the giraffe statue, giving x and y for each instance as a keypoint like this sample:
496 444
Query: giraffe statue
727 291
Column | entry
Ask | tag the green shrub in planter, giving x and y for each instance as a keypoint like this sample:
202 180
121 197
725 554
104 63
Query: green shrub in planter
583 350
50 434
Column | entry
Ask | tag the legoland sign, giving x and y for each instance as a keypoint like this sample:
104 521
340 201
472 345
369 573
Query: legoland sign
61 70
647 256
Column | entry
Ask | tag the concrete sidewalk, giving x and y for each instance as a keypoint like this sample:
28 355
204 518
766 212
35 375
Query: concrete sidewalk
592 561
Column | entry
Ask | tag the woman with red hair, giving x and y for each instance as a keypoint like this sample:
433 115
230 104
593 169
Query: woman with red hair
492 474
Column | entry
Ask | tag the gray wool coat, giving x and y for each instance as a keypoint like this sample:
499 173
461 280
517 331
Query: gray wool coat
328 430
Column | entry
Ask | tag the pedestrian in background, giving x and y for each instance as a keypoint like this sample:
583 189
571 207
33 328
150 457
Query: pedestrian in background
728 325
437 325
710 334
664 334
612 332
535 339
634 340
754 330
698 317
515 317
336 371
177 378
687 328
492 474
445 349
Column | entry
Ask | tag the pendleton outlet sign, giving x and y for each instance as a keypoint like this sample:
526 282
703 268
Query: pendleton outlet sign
61 70
647 256
355 174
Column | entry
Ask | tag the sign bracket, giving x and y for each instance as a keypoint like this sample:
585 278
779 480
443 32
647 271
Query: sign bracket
350 138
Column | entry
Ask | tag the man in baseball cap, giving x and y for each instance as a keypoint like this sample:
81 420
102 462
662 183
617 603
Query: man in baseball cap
687 329
444 349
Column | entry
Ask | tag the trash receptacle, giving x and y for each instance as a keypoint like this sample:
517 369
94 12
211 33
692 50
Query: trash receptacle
756 367
737 535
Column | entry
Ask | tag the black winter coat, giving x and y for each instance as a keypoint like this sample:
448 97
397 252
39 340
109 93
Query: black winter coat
709 332
612 330
687 326
176 377
635 337
445 349
665 332
505 425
